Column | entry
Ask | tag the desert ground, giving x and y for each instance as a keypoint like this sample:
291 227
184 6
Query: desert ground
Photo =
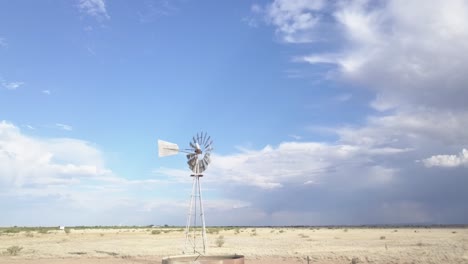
258 245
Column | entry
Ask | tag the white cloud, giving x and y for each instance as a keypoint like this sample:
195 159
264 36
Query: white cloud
407 53
64 127
46 92
448 160
295 163
293 18
96 8
66 181
412 57
12 85
28 161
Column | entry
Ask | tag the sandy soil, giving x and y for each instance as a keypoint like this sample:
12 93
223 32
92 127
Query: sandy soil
258 245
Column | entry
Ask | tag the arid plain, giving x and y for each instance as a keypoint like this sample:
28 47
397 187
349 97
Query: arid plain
258 245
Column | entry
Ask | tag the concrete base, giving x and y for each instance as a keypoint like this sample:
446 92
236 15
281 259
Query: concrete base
196 259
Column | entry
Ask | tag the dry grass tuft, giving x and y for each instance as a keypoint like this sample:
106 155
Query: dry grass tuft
13 251
220 241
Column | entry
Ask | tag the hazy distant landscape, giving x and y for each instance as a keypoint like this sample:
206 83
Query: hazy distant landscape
259 245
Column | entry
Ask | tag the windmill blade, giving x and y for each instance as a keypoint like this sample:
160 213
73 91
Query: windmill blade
207 140
204 138
205 163
201 138
192 163
208 146
167 148
193 145
191 156
201 167
207 159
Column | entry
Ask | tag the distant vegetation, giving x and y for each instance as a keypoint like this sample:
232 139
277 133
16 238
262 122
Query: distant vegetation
212 229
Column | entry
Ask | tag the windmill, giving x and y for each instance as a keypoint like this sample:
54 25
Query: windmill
198 156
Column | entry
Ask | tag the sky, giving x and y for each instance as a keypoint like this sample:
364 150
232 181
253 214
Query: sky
346 112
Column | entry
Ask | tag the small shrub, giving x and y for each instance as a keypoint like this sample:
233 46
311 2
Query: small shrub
382 237
43 231
355 260
419 244
454 232
155 232
220 241
13 250
11 231
29 234
236 231
101 234
67 231
281 231
345 230
212 231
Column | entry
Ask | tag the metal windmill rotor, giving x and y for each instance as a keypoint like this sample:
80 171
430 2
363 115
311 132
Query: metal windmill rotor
198 155
198 158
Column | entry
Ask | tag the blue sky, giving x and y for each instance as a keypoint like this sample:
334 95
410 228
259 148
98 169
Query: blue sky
322 112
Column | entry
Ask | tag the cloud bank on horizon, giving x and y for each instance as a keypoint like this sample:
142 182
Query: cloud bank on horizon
405 162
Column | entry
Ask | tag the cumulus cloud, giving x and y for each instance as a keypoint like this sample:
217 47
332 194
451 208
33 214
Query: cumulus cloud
407 53
96 8
28 161
401 52
412 57
448 160
47 92
298 162
66 181
334 183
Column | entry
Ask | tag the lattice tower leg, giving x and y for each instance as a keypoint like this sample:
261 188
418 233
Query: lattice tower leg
191 232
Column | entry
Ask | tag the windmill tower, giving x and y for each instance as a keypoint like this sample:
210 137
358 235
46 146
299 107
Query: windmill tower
198 156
